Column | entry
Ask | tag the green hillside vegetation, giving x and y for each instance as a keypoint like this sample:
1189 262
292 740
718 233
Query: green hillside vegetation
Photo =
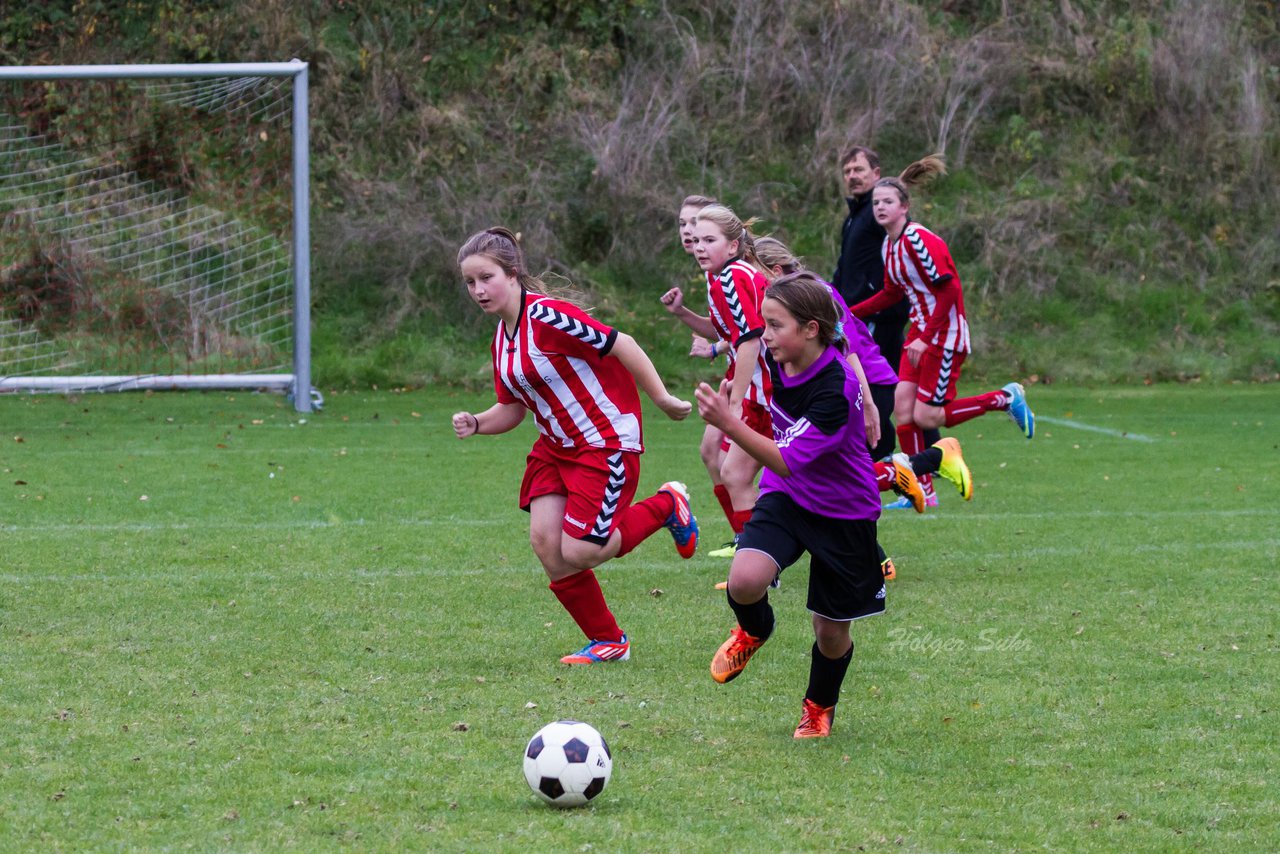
1111 199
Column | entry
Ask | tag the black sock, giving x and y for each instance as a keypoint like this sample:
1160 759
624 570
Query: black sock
826 676
755 619
932 436
927 461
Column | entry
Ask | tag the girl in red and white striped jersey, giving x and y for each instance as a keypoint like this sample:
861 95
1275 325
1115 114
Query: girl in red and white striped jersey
735 289
918 267
578 377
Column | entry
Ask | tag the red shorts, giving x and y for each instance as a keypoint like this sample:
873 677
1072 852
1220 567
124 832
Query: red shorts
936 377
598 486
757 417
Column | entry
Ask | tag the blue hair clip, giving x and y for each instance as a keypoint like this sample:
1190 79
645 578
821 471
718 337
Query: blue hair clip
839 336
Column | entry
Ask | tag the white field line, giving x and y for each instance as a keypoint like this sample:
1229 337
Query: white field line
203 449
532 569
1119 434
440 422
230 525
398 572
520 521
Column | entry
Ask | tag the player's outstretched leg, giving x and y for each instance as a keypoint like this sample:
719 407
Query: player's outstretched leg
953 466
681 523
1018 409
815 720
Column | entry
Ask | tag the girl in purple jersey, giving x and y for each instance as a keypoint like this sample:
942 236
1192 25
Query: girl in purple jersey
943 457
817 495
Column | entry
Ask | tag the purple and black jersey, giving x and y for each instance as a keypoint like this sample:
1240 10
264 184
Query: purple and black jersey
858 337
874 364
819 429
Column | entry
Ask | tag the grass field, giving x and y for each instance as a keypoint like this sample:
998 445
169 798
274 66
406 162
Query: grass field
228 626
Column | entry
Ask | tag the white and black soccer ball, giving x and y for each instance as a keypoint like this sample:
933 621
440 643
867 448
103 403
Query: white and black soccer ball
567 763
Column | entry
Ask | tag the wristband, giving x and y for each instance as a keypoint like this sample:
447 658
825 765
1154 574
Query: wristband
476 419
713 350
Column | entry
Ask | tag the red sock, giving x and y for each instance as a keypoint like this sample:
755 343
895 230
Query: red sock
960 411
910 439
739 520
581 596
726 503
884 476
639 521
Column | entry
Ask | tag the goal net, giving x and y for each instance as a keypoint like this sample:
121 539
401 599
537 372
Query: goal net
155 228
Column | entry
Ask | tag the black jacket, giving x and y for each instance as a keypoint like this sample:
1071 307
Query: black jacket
860 273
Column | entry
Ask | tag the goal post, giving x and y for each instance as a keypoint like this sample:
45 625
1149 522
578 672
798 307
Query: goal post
96 241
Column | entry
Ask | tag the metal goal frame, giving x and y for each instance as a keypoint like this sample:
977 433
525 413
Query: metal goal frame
296 384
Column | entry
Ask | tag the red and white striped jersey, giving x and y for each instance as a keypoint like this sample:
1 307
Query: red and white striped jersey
556 362
734 296
919 264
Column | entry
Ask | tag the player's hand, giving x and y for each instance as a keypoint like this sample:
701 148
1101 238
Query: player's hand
871 417
673 300
465 424
675 408
701 348
915 350
713 406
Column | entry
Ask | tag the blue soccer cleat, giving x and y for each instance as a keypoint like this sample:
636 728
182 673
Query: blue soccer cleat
596 652
682 524
930 500
1018 409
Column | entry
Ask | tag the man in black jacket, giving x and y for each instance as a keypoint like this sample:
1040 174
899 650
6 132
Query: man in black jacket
860 270
860 273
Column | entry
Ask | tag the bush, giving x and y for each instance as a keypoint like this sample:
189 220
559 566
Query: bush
1101 153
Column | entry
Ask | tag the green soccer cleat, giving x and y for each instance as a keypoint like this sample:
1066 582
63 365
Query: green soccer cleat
953 466
729 549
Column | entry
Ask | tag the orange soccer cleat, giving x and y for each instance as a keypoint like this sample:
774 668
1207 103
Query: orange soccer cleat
732 656
815 720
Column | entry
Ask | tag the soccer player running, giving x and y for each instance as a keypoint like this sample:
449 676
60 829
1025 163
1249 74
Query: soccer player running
894 472
711 448
918 267
722 247
817 495
897 472
859 274
578 377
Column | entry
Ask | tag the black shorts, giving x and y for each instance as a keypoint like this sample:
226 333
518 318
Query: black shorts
845 578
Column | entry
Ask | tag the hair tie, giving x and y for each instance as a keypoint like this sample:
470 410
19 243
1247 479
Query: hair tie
839 334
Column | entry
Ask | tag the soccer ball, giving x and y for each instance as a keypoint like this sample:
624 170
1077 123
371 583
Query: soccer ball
567 763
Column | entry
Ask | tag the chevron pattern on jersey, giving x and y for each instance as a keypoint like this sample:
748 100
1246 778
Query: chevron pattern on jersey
731 297
917 243
569 325
612 494
945 369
